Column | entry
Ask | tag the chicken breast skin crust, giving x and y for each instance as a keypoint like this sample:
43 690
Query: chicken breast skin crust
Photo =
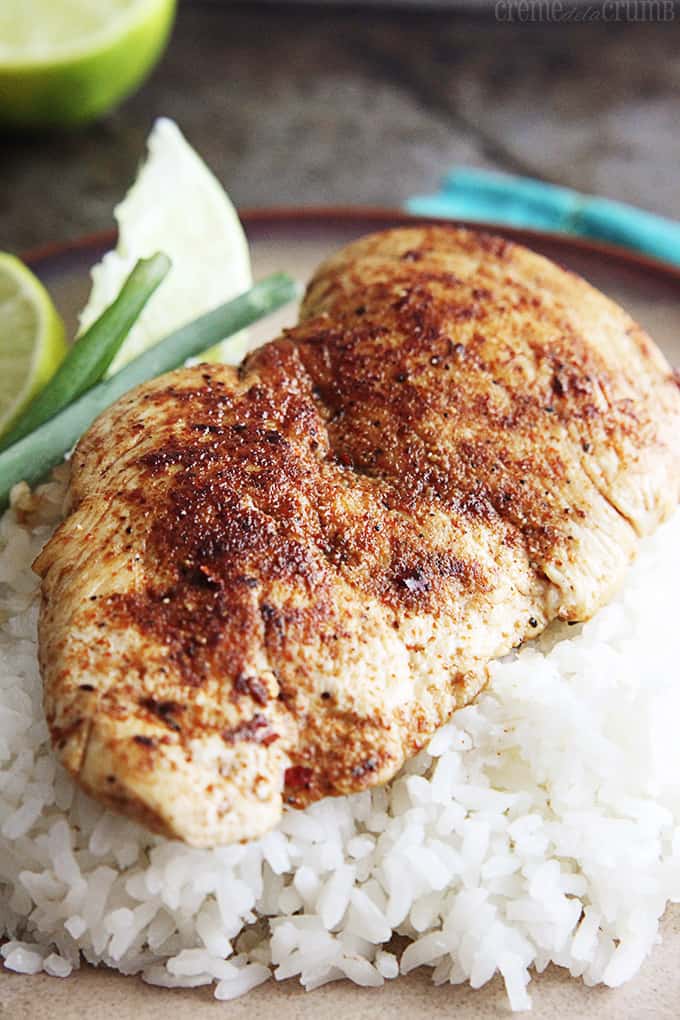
276 582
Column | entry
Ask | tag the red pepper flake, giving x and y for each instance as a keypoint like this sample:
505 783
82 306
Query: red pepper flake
256 730
298 776
252 685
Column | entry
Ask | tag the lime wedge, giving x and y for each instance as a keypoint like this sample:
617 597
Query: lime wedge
32 342
176 206
68 61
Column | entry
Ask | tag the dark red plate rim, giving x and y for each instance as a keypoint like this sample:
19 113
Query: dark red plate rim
377 216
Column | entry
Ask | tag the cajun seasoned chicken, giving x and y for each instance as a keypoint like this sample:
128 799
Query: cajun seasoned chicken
276 582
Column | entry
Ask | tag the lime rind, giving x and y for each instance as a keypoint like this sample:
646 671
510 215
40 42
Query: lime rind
32 338
83 35
68 85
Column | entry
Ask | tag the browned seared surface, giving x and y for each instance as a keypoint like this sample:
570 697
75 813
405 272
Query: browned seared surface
300 569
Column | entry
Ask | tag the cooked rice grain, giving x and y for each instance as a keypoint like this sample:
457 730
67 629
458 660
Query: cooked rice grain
542 824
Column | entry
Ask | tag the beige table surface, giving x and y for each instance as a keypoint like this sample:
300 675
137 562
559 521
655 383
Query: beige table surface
296 245
100 995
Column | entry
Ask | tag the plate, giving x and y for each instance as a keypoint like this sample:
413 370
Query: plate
296 240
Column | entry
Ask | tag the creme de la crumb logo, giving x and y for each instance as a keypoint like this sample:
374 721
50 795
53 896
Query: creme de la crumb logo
537 11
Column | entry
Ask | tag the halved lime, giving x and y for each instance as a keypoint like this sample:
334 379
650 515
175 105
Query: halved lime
32 341
68 61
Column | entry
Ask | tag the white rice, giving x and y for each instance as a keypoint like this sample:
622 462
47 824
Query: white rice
541 825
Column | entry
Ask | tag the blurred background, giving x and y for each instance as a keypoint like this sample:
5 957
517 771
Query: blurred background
318 104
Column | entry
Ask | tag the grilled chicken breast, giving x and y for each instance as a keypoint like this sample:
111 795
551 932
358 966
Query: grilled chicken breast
276 582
